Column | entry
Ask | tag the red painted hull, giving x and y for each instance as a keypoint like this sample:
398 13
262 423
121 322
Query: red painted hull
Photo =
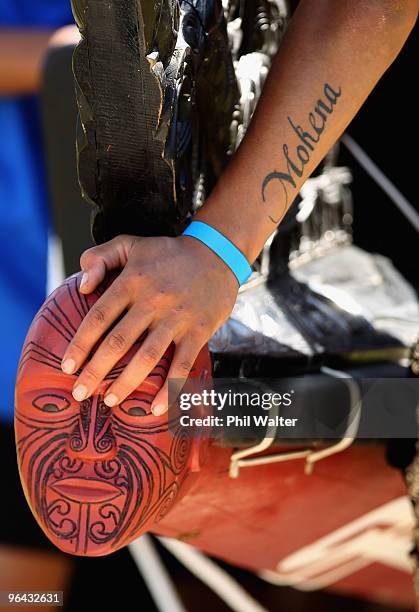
271 512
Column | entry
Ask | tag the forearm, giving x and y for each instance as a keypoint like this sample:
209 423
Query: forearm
330 60
21 57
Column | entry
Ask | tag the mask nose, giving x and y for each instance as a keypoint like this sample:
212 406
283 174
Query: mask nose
92 439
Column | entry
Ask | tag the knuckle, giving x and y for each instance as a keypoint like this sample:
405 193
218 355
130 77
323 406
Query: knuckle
119 288
97 316
150 354
195 339
184 366
166 328
124 239
87 257
200 331
90 372
178 309
132 279
165 293
77 347
116 342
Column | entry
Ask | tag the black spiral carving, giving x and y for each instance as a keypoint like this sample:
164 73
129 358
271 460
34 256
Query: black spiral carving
65 527
103 530
167 502
108 470
180 450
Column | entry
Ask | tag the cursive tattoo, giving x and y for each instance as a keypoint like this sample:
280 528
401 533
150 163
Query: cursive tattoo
295 163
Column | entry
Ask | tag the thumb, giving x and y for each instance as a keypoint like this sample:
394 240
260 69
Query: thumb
95 262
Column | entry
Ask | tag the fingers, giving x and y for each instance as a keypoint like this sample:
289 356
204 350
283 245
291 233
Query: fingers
140 366
183 361
96 261
162 280
94 325
116 344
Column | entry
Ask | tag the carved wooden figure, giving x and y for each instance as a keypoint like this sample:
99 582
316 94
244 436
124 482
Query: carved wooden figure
95 478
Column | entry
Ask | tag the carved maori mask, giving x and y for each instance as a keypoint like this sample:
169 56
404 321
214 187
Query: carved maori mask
95 477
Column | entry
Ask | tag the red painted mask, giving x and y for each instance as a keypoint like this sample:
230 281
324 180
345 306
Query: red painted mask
95 477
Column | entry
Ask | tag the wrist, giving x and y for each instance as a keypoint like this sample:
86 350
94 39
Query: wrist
224 248
234 222
208 261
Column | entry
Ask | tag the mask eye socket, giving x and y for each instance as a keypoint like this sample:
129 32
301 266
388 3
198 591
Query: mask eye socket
136 406
50 402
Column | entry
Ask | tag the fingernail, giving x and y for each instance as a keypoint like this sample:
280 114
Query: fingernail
84 280
80 393
159 409
68 366
111 400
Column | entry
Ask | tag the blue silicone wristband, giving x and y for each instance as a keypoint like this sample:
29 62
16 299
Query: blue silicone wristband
225 249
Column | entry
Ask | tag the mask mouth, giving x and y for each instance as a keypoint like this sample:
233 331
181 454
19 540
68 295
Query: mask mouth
83 490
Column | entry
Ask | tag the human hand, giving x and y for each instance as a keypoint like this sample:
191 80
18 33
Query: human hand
176 288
